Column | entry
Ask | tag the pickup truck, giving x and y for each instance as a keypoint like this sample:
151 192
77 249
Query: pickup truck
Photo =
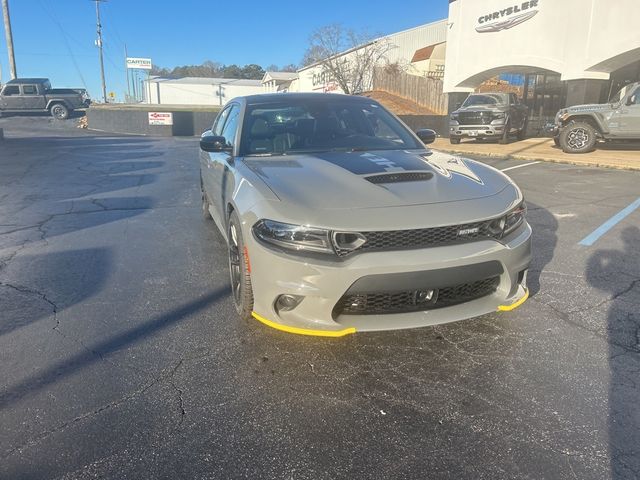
577 129
34 95
489 115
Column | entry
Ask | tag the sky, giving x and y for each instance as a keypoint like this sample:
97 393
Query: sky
55 38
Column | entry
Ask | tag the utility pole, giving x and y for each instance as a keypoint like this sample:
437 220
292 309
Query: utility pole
126 69
99 44
9 36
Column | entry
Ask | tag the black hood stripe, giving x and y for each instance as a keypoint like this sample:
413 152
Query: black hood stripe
368 163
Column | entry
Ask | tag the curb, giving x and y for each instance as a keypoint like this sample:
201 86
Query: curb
543 159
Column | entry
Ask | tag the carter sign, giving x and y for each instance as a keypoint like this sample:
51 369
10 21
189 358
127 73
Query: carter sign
507 18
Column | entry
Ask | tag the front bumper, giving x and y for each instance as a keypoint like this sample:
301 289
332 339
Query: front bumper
551 130
476 131
323 283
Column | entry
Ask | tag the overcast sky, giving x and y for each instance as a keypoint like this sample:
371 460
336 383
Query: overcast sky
55 38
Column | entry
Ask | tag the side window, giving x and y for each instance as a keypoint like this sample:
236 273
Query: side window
231 125
219 123
11 90
29 90
636 94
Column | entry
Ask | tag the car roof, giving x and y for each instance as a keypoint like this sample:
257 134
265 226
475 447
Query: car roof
27 80
280 97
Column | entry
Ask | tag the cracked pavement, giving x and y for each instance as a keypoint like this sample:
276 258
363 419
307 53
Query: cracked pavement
121 355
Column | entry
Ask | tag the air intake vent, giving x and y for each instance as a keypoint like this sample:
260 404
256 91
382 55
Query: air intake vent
400 177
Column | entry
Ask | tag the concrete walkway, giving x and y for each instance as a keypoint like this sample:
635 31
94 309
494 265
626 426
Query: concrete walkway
623 155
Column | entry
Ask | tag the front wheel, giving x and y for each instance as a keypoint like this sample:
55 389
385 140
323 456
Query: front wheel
59 111
206 214
504 139
239 269
522 133
454 141
578 137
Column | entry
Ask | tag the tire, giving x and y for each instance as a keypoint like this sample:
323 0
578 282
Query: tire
206 214
504 139
454 141
239 269
522 133
578 137
59 111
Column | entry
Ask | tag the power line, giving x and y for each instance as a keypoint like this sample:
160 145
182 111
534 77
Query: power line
65 37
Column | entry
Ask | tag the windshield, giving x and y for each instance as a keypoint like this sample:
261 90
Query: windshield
485 99
312 125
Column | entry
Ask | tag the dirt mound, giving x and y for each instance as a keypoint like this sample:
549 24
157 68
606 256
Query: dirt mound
398 105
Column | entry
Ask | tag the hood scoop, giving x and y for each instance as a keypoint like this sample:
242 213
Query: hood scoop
398 177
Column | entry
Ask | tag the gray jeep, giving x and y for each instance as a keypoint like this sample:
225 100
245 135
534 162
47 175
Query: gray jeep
489 115
35 95
577 129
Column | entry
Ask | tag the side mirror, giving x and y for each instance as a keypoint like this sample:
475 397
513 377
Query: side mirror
631 100
426 135
212 143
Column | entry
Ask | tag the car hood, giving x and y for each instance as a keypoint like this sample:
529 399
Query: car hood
483 108
588 107
376 179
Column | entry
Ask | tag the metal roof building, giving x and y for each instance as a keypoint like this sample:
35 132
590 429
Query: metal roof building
198 90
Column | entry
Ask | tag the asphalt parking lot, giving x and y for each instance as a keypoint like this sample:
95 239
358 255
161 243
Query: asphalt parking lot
121 356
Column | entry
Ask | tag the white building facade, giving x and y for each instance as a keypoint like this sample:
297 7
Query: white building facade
585 48
403 47
198 91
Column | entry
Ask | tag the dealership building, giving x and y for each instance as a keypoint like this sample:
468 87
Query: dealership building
552 53
559 53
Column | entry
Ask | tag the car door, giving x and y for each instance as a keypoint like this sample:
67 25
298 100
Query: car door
627 117
206 162
516 112
31 99
222 163
11 98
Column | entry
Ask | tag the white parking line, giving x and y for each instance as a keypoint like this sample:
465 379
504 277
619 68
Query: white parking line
519 166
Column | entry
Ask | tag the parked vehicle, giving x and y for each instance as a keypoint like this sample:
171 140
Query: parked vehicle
577 129
489 115
338 218
26 95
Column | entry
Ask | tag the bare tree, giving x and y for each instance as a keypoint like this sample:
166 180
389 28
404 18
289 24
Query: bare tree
346 56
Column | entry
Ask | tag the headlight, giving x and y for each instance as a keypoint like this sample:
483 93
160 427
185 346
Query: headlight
499 115
293 237
503 226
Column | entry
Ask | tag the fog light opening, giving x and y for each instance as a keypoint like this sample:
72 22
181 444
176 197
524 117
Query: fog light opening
425 296
287 302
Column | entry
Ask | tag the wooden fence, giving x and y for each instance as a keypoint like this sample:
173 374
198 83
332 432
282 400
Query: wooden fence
426 92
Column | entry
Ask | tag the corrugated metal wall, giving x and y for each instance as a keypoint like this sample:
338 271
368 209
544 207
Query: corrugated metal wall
409 41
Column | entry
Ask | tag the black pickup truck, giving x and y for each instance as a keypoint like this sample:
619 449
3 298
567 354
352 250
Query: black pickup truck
35 95
489 115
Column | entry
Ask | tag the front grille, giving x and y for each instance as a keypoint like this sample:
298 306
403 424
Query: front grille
405 302
475 118
421 238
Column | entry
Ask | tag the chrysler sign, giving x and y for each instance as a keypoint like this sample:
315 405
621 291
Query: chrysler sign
508 17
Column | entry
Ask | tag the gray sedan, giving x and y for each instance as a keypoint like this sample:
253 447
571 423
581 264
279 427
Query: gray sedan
338 219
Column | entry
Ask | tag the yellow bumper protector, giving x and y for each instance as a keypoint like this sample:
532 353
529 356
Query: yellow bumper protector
513 306
304 331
